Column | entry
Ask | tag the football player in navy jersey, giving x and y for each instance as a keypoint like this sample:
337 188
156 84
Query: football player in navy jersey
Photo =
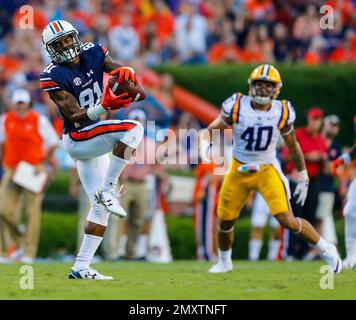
74 81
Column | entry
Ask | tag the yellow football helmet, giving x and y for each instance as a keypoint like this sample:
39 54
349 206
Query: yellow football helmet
265 72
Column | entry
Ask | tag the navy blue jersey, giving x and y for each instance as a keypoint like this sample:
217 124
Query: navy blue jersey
83 80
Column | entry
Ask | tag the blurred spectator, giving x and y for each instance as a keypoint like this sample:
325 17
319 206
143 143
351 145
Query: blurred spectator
124 41
253 52
191 31
282 43
307 25
346 52
24 136
316 51
258 10
225 51
325 220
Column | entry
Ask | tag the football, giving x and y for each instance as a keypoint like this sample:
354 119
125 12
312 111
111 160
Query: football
134 89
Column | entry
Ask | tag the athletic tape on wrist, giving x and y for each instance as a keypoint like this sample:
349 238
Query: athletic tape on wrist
96 111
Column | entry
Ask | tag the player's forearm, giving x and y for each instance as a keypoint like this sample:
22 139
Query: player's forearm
80 117
110 65
297 156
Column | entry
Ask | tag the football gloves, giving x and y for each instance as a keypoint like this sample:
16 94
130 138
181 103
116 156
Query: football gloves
124 73
205 151
301 190
109 101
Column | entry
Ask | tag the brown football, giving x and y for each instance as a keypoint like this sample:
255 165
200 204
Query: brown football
134 89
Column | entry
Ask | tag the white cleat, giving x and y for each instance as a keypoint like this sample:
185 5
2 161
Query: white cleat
349 264
109 199
221 267
332 258
88 274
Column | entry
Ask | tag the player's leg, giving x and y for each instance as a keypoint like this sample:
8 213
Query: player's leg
119 137
11 197
274 243
91 173
350 227
276 195
259 217
232 197
136 218
125 144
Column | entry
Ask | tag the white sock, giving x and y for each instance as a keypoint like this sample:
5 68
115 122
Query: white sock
225 255
273 246
322 245
116 166
87 250
254 249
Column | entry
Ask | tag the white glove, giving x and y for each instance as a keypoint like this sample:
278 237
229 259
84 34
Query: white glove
301 189
204 151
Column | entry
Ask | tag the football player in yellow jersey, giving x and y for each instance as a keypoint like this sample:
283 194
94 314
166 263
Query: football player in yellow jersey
257 120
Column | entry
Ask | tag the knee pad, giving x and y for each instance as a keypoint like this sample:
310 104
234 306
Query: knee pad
98 215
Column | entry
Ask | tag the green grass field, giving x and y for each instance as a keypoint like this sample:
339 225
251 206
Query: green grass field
180 280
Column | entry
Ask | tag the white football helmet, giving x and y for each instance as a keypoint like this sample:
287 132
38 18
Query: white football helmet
56 30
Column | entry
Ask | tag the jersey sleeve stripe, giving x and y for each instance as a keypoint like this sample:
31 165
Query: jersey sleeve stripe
45 79
105 51
51 88
236 109
284 116
47 84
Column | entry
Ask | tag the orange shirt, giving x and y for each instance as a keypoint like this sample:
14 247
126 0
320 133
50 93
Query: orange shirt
311 58
23 140
219 53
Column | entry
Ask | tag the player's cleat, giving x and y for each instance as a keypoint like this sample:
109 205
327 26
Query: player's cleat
332 258
89 274
221 267
349 264
110 201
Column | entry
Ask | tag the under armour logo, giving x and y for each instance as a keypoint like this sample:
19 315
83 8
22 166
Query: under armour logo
90 73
